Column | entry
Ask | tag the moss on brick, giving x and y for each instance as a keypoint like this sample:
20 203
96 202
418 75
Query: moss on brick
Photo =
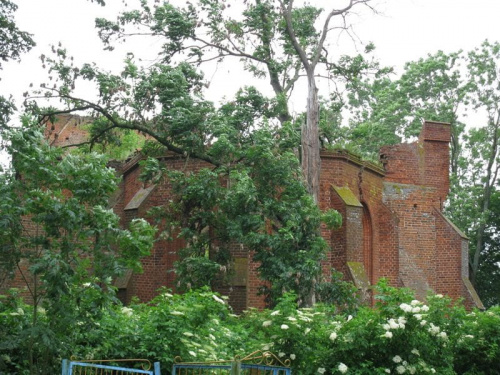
347 196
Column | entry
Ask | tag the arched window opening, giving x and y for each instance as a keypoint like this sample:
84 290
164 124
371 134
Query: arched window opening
368 243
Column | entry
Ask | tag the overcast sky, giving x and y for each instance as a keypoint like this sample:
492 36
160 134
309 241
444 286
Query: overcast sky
404 31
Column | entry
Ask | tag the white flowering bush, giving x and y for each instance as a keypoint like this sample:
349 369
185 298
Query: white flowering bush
400 335
194 326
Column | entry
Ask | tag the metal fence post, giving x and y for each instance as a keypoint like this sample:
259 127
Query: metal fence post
157 368
64 367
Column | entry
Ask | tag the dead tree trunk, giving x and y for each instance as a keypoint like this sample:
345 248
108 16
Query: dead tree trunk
311 161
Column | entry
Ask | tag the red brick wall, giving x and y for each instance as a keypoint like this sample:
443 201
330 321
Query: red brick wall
452 260
237 293
365 181
337 256
253 285
416 234
67 130
423 163
412 244
159 266
386 261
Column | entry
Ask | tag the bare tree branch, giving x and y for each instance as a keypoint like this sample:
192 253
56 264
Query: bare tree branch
228 51
324 33
287 14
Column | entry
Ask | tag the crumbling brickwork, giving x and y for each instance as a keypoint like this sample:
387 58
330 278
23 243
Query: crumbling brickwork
411 243
68 130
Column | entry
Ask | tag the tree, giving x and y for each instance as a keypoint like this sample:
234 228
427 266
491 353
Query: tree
488 278
57 233
251 191
13 42
484 65
386 110
310 54
275 39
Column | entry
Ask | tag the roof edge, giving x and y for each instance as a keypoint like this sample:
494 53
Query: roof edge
353 159
451 224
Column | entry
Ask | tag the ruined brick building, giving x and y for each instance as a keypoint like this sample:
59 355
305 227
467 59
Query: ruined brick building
393 225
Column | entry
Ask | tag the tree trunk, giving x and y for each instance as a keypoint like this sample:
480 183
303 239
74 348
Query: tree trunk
311 162
486 203
310 143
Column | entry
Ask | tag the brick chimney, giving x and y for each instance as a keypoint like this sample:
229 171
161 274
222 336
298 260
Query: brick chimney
423 163
434 147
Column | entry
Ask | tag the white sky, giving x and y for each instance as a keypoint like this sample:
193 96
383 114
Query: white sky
405 31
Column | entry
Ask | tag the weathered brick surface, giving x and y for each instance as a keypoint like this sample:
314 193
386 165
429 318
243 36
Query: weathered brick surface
400 233
392 220
365 181
67 130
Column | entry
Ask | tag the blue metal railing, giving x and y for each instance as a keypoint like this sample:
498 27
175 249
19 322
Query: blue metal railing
98 368
266 365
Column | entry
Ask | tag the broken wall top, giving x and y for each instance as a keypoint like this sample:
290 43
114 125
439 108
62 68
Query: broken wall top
424 163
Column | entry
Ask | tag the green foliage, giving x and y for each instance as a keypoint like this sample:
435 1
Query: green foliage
489 271
478 347
13 42
336 291
280 221
401 335
100 2
386 110
266 37
117 144
7 109
250 191
168 326
332 219
57 233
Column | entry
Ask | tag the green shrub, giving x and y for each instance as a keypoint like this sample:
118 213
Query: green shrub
22 332
400 335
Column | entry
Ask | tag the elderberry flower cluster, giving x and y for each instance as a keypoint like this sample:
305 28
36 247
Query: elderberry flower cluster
393 324
403 366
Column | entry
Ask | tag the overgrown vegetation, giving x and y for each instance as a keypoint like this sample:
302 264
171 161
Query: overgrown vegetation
280 42
399 336
56 234
461 88
262 171
54 220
